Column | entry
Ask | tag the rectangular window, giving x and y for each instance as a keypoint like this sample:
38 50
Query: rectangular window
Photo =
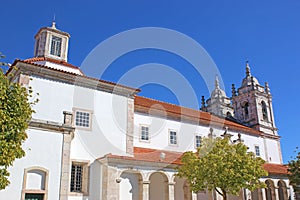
173 137
76 178
82 119
257 151
144 133
34 196
79 177
55 46
197 141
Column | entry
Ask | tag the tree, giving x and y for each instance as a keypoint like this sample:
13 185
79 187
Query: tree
221 166
294 174
15 113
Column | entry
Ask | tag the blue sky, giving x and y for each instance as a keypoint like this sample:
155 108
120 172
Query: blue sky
267 33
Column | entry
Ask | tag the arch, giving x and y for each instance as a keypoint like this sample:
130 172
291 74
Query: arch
35 182
270 190
182 189
246 109
228 115
131 185
159 188
264 110
282 190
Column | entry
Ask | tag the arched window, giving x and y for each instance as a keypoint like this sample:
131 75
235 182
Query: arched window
264 110
270 190
282 190
246 110
35 183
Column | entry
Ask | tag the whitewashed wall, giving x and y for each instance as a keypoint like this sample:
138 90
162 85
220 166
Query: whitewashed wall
43 149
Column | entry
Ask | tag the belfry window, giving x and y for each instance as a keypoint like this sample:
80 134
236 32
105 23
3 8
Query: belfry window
246 110
55 46
264 110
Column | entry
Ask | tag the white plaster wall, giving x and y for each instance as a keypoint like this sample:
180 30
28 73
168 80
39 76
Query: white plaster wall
43 149
54 98
273 151
159 136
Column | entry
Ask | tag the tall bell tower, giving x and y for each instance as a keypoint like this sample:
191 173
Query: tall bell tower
51 43
252 104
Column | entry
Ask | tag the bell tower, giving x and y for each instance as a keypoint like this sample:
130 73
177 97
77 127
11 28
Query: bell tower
51 43
252 104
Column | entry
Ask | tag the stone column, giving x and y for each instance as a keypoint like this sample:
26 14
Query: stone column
130 126
65 158
171 191
146 190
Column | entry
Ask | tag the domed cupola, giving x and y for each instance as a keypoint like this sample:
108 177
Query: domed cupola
249 80
219 103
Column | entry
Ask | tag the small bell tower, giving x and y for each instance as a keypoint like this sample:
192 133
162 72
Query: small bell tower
252 104
51 43
218 103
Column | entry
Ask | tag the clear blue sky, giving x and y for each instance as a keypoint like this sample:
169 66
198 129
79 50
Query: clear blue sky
267 33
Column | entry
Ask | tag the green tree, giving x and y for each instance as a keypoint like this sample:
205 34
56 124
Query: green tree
294 174
222 166
15 113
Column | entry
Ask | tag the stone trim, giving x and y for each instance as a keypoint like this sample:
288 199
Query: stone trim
33 191
50 126
130 126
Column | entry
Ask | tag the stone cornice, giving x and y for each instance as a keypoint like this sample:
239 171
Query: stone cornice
71 78
50 126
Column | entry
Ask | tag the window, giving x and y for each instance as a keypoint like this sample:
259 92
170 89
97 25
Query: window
264 110
144 133
257 151
79 177
55 46
173 137
82 119
76 178
246 110
197 141
34 196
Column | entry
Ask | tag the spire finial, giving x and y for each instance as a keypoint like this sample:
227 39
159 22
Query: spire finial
53 22
217 83
247 68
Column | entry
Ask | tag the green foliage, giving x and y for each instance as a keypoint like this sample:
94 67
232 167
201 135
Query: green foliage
15 113
220 165
294 173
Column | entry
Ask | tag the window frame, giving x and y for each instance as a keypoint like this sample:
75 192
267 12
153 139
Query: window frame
56 42
257 149
84 179
75 110
141 131
176 139
195 143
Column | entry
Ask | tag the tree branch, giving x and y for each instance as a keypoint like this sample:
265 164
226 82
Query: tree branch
219 192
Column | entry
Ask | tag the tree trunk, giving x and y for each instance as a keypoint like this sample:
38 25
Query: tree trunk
224 195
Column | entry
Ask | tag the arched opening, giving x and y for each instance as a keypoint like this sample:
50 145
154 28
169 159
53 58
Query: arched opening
131 185
282 190
35 183
246 109
270 190
228 115
158 186
182 189
264 110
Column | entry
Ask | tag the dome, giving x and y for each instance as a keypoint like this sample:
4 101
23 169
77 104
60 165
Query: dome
217 92
248 79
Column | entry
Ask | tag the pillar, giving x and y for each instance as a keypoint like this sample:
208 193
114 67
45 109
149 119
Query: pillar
146 188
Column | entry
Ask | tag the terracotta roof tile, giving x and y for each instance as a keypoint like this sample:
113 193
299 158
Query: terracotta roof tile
61 62
147 105
276 168
171 157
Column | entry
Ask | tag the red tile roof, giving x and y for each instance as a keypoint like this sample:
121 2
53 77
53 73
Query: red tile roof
276 168
171 157
61 62
151 106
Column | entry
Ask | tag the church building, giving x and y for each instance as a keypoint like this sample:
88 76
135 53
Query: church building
92 139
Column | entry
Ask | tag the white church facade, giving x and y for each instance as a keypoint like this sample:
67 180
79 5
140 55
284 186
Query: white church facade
92 139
